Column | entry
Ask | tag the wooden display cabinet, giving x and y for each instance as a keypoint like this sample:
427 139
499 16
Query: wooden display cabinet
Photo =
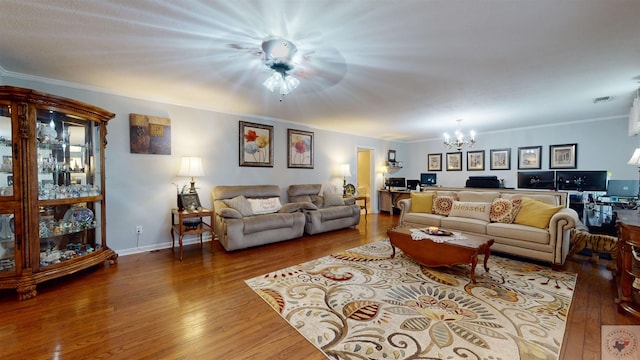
52 202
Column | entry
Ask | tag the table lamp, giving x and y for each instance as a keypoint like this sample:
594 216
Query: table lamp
635 161
191 166
345 170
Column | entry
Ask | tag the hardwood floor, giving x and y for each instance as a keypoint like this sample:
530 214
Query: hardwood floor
152 306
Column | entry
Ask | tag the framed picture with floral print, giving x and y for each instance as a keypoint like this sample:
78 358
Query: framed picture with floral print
256 144
299 149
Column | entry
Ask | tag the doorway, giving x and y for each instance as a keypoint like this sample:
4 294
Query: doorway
365 175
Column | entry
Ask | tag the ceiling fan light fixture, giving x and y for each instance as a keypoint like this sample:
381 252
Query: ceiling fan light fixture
278 56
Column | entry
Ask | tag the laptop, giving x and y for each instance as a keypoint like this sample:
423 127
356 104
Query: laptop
622 188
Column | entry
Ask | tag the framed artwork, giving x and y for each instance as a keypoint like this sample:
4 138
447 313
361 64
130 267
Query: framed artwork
149 134
299 149
189 202
529 157
500 159
434 162
475 160
563 156
256 144
391 156
454 161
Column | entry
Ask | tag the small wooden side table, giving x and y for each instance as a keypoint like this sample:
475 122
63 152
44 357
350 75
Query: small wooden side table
364 198
178 226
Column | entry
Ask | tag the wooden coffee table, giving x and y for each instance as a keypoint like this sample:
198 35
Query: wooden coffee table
448 253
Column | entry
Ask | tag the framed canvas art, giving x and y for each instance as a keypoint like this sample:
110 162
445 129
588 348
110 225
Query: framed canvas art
563 156
529 157
434 162
475 160
256 144
500 159
299 149
454 161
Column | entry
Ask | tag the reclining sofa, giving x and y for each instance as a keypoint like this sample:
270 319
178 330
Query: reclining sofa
253 215
532 224
324 210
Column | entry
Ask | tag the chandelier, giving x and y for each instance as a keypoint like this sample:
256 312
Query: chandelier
459 140
278 56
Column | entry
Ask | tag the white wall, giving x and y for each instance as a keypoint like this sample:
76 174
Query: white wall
138 186
139 189
602 145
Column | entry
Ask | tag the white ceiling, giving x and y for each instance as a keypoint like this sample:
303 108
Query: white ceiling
401 70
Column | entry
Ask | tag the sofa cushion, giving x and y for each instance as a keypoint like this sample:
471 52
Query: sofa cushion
504 210
331 199
535 213
241 204
471 210
265 206
518 235
422 202
254 224
422 219
442 204
469 225
317 200
308 206
477 196
335 212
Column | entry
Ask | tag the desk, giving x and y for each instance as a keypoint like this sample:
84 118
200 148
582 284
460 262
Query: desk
628 273
178 227
387 199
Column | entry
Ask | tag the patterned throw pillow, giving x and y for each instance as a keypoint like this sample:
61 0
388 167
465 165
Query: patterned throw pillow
241 204
504 210
265 206
442 204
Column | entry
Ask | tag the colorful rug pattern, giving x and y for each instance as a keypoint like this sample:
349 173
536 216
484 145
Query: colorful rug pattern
362 304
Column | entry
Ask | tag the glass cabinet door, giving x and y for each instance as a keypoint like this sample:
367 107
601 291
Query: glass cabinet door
7 215
69 197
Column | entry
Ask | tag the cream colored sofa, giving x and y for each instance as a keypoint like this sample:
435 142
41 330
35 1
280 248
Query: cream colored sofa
239 227
549 244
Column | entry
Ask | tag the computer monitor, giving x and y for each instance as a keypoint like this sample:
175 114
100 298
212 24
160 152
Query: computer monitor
622 188
582 180
536 180
428 179
411 184
397 182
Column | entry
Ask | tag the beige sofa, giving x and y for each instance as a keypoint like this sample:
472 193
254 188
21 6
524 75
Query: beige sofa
253 215
547 243
323 212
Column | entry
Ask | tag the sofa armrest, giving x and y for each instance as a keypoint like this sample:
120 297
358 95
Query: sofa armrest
559 226
405 206
289 208
229 213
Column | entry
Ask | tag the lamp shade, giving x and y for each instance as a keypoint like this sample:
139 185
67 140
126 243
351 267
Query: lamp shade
345 170
191 166
635 158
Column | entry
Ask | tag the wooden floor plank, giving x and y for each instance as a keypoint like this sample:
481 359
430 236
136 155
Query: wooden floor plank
152 306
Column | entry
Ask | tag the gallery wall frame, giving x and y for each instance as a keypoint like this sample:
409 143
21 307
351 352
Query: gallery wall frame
500 159
454 161
475 160
256 144
434 162
529 157
563 156
299 149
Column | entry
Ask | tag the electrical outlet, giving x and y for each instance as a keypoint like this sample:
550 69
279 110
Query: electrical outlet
139 229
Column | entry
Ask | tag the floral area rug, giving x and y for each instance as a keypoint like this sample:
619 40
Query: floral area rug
363 304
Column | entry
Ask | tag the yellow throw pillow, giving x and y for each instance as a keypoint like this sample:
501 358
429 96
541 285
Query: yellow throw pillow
421 202
535 213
